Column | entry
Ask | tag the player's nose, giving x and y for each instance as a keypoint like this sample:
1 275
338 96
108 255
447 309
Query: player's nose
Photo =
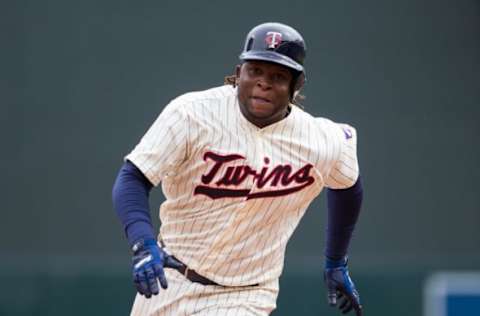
264 83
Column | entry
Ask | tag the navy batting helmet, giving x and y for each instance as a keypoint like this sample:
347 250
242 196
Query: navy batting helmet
277 43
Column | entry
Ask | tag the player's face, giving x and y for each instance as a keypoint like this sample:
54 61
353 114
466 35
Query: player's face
263 91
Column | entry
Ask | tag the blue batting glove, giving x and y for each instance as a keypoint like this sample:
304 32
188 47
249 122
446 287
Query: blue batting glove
148 263
340 286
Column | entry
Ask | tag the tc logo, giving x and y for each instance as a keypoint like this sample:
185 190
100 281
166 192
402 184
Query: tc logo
273 39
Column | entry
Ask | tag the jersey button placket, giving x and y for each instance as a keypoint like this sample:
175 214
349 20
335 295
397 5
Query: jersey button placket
259 157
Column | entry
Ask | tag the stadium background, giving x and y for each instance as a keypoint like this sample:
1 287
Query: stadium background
82 80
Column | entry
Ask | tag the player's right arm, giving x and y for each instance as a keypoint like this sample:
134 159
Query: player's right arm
130 199
161 149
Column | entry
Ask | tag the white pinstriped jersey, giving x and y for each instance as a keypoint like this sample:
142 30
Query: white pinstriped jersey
235 192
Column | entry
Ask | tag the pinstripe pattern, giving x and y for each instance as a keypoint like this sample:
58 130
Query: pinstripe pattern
236 240
215 300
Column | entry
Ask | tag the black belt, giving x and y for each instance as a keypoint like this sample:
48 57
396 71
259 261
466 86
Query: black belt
192 275
189 273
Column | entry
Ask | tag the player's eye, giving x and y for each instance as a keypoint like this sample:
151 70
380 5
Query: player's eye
254 71
280 78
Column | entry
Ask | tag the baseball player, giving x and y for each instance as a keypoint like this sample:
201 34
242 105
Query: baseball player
239 165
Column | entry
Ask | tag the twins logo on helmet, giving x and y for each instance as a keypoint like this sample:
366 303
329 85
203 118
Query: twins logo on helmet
273 39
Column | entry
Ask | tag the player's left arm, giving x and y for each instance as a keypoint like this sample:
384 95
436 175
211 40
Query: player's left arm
344 200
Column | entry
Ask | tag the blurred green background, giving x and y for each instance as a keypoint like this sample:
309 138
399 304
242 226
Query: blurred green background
81 81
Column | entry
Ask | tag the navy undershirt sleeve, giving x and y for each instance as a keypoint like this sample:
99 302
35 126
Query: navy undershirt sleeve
130 199
343 209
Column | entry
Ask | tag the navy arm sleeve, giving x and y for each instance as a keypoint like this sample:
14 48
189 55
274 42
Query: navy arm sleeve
130 199
343 209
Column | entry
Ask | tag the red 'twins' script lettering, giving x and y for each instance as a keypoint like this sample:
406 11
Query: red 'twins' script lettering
279 176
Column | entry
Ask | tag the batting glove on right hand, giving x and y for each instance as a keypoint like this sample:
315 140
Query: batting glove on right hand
148 263
340 285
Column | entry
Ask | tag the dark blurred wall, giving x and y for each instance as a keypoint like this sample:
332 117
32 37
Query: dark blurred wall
81 81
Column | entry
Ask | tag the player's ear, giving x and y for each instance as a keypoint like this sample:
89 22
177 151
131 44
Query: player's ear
236 77
296 97
238 69
300 81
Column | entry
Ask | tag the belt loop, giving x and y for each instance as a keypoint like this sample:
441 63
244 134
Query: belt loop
162 244
185 274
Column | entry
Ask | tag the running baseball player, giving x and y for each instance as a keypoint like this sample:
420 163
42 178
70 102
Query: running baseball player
239 165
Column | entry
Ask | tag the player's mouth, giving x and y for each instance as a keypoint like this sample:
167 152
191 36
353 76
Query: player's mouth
260 106
257 100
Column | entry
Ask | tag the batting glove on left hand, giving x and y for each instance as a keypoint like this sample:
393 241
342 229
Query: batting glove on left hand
148 263
340 285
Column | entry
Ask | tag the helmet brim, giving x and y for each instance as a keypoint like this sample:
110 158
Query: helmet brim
273 57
